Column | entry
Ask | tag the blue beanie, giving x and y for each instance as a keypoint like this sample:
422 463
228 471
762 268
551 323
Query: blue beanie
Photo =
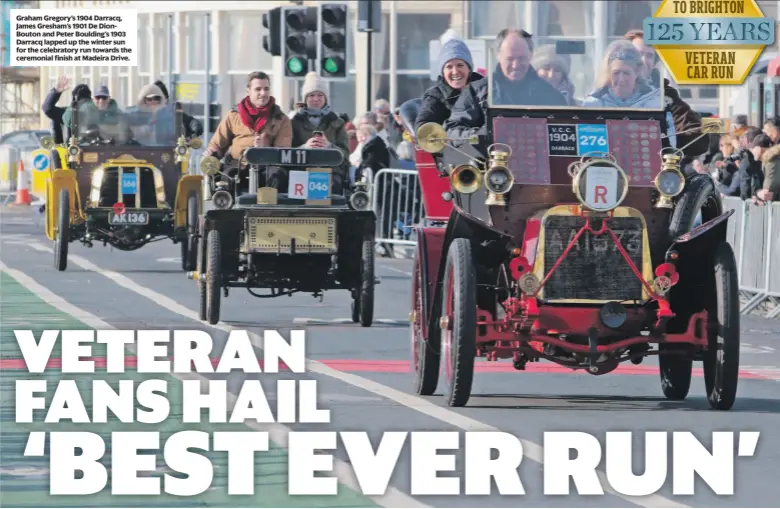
452 49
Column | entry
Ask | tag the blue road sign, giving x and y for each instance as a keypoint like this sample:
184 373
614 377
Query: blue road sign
41 162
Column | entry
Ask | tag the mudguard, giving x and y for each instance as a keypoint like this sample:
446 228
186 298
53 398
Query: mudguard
701 240
61 179
186 185
694 262
429 250
488 246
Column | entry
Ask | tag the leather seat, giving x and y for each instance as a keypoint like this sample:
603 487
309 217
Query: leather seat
283 199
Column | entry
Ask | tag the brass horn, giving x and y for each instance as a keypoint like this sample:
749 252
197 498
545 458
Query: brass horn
47 142
466 179
432 138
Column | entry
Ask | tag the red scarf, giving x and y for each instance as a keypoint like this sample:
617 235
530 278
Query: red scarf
255 118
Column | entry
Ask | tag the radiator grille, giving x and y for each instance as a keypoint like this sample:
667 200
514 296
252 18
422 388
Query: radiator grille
594 269
275 234
109 188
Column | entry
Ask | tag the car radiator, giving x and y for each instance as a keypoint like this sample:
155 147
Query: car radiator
109 188
594 269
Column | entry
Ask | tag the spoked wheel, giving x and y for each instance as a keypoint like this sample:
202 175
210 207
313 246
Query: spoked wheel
202 286
189 246
355 307
721 362
459 332
213 277
62 237
365 294
425 354
699 197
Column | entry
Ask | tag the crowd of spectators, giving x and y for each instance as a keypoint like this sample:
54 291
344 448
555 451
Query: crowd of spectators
746 163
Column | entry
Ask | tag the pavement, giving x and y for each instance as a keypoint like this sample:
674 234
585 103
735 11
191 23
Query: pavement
364 380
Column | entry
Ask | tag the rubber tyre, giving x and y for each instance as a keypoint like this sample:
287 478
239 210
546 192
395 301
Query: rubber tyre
366 294
355 309
699 195
62 237
459 343
426 356
202 287
213 277
189 246
721 361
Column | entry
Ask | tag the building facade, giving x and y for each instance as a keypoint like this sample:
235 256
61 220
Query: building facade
183 39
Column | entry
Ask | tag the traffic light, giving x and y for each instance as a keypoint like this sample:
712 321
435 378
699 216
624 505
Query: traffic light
332 40
272 42
299 40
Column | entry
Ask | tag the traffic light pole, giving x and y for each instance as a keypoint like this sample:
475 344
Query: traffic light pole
369 99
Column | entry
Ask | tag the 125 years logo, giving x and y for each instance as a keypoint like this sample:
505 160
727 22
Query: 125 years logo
709 42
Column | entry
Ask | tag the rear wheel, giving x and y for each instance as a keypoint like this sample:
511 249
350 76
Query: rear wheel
701 201
721 362
425 354
189 246
62 237
367 280
459 334
213 277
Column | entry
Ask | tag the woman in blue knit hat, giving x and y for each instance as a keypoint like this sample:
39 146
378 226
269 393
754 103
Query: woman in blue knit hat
456 71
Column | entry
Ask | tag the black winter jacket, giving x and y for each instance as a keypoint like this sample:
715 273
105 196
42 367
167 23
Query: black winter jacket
437 102
469 114
54 112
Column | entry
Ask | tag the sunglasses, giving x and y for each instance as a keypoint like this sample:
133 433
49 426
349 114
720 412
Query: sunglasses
155 98
101 98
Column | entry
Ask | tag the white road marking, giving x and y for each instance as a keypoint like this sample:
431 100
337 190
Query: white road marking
277 432
169 260
320 321
396 270
531 450
758 349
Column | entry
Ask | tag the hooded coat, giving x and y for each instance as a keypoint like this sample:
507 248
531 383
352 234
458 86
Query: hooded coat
437 102
771 162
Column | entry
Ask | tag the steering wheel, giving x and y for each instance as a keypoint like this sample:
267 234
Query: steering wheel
93 137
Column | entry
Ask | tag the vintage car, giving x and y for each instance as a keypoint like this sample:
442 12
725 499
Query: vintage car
574 237
123 181
306 240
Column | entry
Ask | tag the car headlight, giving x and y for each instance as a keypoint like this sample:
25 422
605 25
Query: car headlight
181 150
73 150
222 199
600 185
670 182
359 200
499 180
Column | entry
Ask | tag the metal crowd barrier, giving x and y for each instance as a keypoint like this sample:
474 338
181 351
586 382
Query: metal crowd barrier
396 198
754 232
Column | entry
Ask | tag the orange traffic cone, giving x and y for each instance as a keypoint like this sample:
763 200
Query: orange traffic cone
22 187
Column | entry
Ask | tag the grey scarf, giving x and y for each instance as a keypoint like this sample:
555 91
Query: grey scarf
314 115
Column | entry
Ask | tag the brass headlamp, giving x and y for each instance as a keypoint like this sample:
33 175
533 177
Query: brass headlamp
670 181
181 149
73 151
498 178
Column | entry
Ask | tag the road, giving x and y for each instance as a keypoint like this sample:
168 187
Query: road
364 380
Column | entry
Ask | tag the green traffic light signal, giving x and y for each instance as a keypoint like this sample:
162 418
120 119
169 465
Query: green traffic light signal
295 65
331 65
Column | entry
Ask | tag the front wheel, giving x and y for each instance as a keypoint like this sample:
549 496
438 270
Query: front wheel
721 362
213 277
189 246
365 297
425 354
62 237
459 330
